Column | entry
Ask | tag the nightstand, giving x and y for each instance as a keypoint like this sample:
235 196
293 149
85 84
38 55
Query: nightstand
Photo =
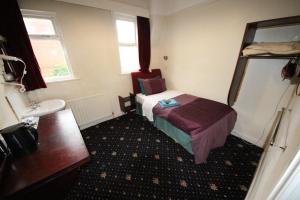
127 104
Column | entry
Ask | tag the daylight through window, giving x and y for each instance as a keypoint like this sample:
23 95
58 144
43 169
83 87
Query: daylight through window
127 40
48 47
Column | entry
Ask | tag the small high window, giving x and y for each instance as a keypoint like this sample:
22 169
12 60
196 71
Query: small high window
127 40
47 45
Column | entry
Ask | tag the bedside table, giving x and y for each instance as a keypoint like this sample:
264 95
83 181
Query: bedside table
127 104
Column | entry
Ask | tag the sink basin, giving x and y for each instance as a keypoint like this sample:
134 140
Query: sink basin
44 108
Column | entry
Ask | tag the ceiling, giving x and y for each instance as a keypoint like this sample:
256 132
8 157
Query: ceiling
167 7
141 7
164 7
133 7
137 3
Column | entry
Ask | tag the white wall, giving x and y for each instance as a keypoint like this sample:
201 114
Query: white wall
203 42
138 3
262 88
134 7
288 187
7 116
168 7
276 160
90 40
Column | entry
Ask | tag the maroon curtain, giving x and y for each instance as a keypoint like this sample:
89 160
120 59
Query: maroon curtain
143 27
12 27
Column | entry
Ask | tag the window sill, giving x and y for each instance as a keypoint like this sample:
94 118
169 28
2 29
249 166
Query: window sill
125 73
58 80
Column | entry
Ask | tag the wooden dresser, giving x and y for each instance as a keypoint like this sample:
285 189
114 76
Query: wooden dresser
53 166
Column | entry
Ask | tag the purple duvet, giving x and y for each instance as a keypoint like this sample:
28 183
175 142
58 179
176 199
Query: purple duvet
207 122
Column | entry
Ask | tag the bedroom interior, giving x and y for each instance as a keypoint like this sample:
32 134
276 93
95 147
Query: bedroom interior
149 99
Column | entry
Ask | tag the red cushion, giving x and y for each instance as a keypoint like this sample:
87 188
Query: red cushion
154 86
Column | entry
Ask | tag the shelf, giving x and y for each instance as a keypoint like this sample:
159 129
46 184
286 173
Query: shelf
272 56
287 21
248 39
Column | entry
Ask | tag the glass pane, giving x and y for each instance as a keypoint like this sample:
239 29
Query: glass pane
129 59
50 56
38 26
126 31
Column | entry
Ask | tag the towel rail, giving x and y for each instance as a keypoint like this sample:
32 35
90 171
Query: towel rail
277 127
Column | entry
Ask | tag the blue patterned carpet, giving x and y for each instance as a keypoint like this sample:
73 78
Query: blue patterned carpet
131 159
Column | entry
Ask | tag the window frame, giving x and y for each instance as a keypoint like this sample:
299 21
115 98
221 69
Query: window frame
58 36
130 18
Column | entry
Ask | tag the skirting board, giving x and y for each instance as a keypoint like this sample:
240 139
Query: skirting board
98 121
247 138
85 126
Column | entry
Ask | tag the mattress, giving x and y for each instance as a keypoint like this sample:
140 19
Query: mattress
148 102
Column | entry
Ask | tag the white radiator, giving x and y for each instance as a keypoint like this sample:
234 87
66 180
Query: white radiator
91 110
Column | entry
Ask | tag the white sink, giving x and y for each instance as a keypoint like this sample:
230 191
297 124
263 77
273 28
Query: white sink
44 108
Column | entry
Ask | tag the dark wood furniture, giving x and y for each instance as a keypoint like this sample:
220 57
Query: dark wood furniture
60 152
127 104
248 38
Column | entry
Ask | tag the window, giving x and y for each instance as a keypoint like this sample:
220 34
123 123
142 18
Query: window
127 40
47 45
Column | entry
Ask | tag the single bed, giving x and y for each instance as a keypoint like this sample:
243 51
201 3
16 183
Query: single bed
197 124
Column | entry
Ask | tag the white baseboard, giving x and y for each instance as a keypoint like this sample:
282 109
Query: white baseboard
93 123
103 119
118 114
247 138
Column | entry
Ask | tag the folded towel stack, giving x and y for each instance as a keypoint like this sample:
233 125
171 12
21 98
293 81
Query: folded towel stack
168 103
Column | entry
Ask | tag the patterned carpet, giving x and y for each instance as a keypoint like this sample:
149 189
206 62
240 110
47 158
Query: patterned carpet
131 159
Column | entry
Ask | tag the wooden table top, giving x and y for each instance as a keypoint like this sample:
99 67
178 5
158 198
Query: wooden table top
61 149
